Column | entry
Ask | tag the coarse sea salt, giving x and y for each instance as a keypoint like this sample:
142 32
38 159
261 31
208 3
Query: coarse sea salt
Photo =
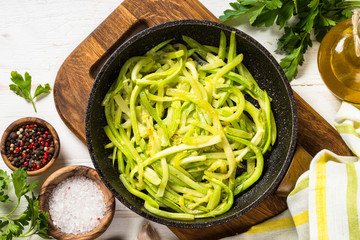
77 205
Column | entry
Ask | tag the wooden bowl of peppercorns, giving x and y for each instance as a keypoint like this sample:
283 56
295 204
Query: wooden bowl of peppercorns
30 143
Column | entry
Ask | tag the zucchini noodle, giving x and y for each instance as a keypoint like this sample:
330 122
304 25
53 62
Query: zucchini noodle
188 126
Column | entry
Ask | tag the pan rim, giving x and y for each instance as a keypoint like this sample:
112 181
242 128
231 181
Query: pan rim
290 149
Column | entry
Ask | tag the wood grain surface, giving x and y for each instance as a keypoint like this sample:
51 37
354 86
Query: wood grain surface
75 78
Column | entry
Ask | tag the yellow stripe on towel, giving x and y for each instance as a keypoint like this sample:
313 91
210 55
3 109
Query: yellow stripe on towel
320 198
303 184
280 223
351 201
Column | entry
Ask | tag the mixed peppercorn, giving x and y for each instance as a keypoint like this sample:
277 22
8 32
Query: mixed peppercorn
30 146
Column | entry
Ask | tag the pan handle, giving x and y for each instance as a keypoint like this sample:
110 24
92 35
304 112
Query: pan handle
314 134
299 164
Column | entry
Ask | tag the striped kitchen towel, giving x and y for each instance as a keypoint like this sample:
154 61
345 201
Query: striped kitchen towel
348 125
325 203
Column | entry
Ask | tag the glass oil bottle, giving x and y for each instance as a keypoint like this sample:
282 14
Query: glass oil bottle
339 60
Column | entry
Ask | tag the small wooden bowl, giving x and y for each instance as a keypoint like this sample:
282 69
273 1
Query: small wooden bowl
60 175
30 120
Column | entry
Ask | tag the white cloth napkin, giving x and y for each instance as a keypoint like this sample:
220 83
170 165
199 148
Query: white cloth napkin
325 203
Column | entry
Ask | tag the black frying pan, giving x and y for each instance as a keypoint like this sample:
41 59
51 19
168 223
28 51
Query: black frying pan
265 70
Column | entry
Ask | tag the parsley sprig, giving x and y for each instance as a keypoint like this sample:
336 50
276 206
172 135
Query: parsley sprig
317 15
22 87
32 218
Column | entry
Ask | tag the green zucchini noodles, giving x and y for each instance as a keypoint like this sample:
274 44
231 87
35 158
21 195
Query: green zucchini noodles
188 126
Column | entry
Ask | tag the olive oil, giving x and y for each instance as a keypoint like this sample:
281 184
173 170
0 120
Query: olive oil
338 63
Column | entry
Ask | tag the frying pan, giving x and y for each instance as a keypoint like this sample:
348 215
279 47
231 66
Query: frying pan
265 70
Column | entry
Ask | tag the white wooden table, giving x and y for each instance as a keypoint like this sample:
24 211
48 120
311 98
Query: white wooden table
37 35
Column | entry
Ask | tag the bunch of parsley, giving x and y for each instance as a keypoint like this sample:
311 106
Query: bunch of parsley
317 15
32 218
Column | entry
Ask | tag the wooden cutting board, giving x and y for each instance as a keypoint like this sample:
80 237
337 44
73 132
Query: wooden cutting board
76 76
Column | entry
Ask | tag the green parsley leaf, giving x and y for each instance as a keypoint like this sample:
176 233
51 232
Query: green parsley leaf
33 208
288 41
12 230
40 90
238 11
285 13
255 12
275 4
290 62
4 184
42 223
22 87
317 15
266 18
20 180
3 224
24 218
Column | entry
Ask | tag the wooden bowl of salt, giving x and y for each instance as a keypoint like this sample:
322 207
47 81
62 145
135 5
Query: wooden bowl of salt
80 206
